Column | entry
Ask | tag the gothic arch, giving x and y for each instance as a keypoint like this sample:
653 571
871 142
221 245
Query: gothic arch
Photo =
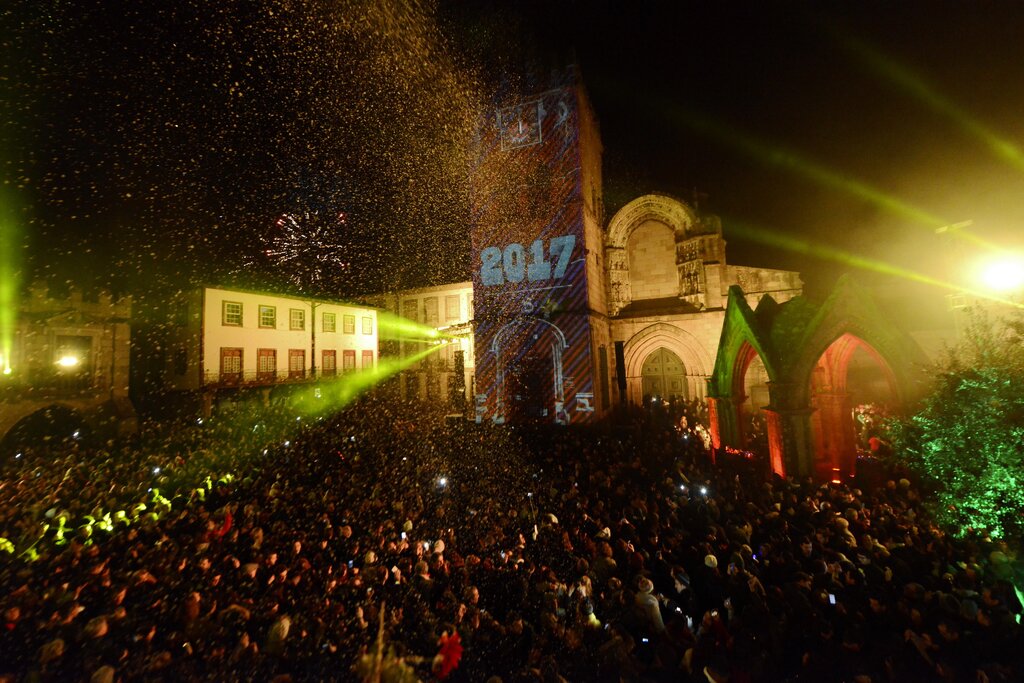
558 348
741 334
680 342
849 314
657 207
743 338
809 422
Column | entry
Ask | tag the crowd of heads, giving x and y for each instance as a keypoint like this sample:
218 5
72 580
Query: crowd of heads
260 545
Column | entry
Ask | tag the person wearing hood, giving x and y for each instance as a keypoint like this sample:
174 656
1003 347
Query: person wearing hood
647 609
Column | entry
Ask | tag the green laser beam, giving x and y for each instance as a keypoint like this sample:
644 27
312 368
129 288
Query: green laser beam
9 278
338 392
394 327
780 157
914 85
789 243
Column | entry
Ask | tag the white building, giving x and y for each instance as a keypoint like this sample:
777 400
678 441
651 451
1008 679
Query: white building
223 338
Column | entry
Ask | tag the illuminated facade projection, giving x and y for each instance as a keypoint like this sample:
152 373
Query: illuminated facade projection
536 240
574 316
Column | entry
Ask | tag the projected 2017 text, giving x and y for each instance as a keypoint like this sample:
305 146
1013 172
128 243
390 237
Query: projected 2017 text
516 263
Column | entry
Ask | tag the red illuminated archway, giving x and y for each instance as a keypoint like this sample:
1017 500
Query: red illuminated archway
832 421
809 350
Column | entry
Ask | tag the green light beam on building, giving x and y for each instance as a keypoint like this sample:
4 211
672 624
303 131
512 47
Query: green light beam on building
336 393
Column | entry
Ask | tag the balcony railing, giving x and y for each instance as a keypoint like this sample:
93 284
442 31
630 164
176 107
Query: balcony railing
256 378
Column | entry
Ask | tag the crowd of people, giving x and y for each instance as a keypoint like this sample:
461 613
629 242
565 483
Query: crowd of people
263 545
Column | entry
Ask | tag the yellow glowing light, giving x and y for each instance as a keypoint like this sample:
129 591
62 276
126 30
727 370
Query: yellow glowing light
68 361
1004 275
777 239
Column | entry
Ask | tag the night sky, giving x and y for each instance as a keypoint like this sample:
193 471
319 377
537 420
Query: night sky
151 147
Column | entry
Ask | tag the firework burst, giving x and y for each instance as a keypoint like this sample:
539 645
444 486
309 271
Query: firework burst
307 248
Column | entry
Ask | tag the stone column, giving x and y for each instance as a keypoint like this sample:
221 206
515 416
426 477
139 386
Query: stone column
789 442
789 432
838 457
714 426
727 430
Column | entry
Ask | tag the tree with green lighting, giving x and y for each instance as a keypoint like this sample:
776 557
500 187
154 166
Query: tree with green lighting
968 440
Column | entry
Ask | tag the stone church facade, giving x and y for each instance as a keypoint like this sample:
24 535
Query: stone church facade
651 282
668 284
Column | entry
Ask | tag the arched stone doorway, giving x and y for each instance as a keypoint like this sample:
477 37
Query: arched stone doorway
848 373
664 376
530 385
686 349
669 220
55 422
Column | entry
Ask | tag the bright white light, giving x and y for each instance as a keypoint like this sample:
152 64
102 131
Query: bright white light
1005 274
75 434
703 490
682 487
68 361
443 481
17 455
199 421
287 443
156 470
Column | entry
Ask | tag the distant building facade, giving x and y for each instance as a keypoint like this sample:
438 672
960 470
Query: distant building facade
447 375
667 286
69 361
